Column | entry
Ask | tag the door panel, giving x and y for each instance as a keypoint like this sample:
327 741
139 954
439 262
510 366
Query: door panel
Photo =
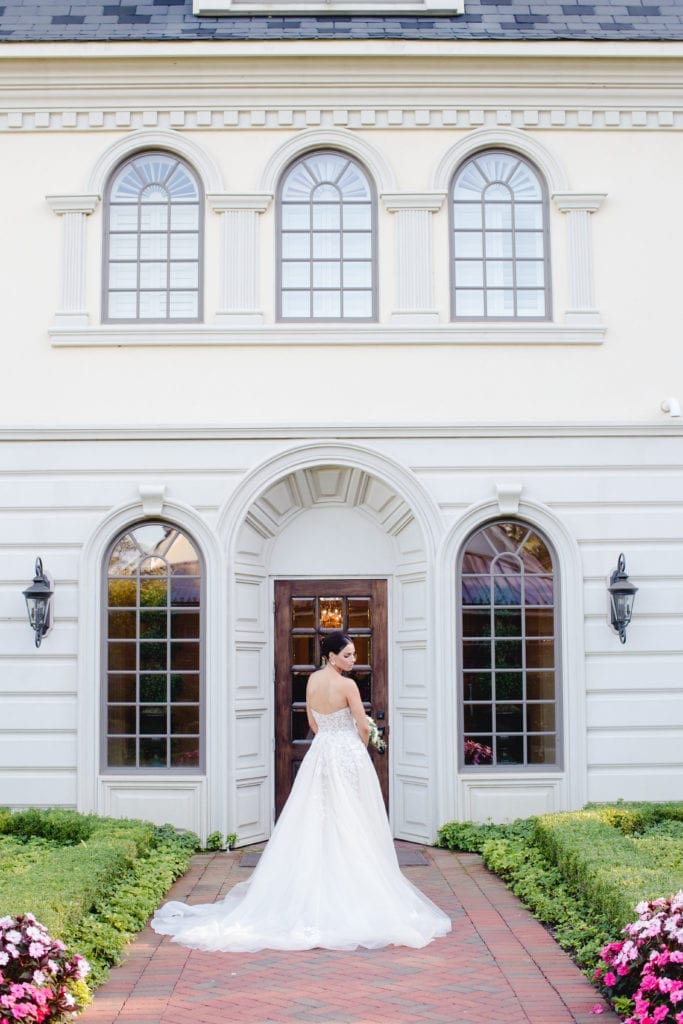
302 608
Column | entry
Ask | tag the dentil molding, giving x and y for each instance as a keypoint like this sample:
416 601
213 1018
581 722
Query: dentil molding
419 117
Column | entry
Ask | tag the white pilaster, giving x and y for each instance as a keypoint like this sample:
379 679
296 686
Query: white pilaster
240 256
579 206
74 209
414 272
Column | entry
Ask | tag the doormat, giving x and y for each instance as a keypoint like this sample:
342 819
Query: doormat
406 858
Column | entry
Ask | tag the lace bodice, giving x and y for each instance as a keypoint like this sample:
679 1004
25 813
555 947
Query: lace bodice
335 721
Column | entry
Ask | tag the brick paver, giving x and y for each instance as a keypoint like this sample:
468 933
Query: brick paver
498 966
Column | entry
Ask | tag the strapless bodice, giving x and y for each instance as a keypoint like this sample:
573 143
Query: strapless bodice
336 721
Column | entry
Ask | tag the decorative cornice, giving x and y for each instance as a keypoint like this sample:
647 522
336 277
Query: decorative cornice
335 432
296 117
303 334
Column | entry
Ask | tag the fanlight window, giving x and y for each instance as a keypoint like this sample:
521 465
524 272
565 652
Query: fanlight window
500 243
153 241
327 241
153 686
509 646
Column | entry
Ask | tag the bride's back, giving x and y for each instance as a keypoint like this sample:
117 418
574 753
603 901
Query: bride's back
327 691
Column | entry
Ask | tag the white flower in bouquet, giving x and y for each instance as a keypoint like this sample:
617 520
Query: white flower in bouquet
376 740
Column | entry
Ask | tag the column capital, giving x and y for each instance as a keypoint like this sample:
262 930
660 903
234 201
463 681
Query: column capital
224 202
73 203
589 202
430 201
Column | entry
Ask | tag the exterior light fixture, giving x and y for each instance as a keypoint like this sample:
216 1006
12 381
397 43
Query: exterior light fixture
621 594
39 603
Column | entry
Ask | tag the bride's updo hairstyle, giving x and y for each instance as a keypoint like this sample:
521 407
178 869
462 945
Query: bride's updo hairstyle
333 643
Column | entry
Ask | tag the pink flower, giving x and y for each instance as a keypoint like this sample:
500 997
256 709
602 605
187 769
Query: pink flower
610 979
660 1014
597 1009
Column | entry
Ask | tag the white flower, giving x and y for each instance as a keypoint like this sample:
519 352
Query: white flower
38 978
4 958
13 935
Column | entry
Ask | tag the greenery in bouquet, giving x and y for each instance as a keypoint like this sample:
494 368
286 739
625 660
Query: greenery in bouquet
39 981
643 974
376 739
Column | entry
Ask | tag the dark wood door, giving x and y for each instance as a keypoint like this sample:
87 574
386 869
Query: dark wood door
302 609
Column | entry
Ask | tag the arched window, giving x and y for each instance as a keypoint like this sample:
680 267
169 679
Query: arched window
153 241
509 692
326 240
500 258
153 657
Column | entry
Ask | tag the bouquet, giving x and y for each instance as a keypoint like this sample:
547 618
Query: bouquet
376 740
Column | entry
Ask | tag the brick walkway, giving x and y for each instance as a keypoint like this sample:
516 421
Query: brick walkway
498 966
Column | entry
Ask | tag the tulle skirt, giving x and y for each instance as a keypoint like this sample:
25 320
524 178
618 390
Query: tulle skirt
329 876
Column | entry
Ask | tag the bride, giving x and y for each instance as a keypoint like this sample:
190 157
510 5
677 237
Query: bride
329 876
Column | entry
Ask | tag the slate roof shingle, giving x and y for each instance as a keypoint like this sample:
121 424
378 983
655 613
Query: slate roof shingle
511 20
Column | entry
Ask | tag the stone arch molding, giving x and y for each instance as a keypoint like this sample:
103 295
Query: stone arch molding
571 611
258 499
90 792
135 142
522 143
307 141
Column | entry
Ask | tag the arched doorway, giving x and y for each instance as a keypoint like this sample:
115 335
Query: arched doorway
322 521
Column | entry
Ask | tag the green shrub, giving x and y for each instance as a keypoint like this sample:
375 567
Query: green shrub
65 827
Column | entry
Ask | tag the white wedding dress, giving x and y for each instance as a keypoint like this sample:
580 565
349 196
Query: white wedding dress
329 876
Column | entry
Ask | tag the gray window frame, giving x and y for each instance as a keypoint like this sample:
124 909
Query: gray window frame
106 235
503 767
547 276
147 771
374 287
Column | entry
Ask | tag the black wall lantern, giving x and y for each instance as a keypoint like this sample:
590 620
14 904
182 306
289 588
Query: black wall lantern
621 594
39 603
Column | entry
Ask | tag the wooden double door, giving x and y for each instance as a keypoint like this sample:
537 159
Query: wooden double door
304 609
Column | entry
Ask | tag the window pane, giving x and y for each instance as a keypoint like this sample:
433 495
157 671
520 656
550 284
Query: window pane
153 218
296 217
478 717
477 685
541 717
498 216
296 275
357 304
326 275
297 246
500 303
468 215
153 275
153 247
121 720
540 685
326 246
498 245
529 244
542 750
153 752
469 303
530 273
122 624
529 216
326 304
476 623
296 304
476 654
358 275
468 244
185 687
357 217
184 218
357 245
469 273
123 218
184 275
153 305
121 688
183 305
531 303
123 247
499 273
185 719
154 688
123 275
121 753
122 657
509 685
185 624
185 752
123 305
303 650
153 720
326 217
184 247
